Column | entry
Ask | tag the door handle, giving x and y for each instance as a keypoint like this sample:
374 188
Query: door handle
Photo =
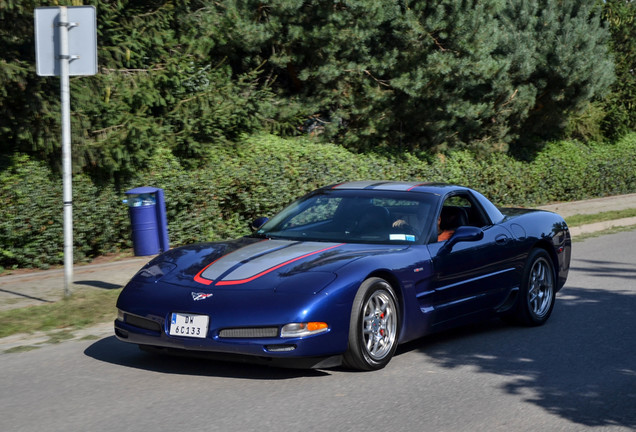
501 239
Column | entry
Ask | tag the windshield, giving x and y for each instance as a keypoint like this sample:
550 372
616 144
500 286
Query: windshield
354 216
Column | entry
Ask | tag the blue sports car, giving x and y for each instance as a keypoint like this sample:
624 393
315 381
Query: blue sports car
346 273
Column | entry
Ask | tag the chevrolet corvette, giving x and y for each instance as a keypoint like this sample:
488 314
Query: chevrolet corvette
346 273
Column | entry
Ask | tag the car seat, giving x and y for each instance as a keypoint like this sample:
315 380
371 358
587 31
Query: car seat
374 219
452 218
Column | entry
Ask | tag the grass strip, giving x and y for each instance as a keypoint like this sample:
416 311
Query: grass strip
578 220
82 309
613 230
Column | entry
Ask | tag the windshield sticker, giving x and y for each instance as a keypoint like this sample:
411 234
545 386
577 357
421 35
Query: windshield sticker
402 237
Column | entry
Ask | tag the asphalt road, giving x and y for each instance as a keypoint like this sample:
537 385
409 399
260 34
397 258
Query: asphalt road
576 373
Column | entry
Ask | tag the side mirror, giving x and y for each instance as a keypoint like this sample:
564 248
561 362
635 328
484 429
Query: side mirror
258 223
462 234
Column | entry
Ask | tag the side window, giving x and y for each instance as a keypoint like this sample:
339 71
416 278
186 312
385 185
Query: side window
458 210
457 201
473 213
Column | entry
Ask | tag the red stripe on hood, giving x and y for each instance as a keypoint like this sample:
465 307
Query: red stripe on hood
198 277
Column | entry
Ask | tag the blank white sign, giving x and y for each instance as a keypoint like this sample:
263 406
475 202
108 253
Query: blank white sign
82 40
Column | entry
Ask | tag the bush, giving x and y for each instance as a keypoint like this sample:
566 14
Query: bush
262 173
31 217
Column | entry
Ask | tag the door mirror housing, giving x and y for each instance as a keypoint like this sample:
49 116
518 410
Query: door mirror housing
258 223
462 234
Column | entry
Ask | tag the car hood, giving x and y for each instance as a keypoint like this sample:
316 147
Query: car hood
247 261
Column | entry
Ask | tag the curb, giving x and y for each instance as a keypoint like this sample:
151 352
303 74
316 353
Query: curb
42 339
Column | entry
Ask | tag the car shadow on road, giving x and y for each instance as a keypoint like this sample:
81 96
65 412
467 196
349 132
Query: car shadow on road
580 365
605 269
113 351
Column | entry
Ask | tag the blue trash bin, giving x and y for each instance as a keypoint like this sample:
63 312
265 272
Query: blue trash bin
147 211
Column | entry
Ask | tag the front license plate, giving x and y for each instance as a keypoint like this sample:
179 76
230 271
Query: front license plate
189 325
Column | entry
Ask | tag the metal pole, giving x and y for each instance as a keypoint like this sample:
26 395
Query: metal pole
67 178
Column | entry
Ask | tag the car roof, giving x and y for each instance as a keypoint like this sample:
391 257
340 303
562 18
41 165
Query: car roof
439 189
427 187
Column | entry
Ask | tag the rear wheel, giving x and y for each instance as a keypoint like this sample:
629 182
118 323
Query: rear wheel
537 293
373 329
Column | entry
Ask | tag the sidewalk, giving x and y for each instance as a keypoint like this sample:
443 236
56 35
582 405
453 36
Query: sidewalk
595 206
47 286
41 287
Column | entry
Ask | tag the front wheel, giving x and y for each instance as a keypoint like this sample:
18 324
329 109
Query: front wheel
537 293
373 329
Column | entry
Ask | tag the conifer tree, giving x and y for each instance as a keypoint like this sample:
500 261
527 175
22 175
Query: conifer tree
158 86
416 75
566 63
29 119
620 105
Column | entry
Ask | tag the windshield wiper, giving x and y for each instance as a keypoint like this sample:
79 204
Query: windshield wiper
257 235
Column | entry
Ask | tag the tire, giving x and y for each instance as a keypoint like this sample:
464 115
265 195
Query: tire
373 328
537 292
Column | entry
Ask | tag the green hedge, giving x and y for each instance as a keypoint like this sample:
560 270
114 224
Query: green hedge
31 221
261 174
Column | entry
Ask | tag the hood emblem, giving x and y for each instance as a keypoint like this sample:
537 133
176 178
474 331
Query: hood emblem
200 296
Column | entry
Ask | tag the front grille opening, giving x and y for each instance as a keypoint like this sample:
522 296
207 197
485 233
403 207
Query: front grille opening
143 323
247 332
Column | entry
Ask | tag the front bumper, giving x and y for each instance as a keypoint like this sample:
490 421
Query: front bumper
317 351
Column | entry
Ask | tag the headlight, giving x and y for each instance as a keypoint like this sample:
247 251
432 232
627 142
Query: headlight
303 329
155 271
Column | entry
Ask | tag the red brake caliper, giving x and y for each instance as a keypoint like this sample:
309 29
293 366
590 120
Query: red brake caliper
382 330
